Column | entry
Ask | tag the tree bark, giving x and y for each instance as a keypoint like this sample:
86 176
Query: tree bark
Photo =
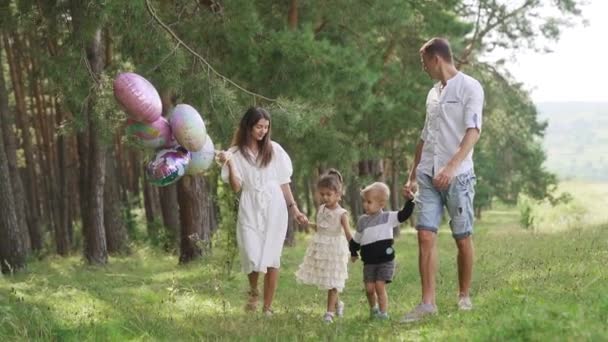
62 236
293 15
170 209
95 237
10 144
12 251
190 214
207 218
292 225
114 222
33 207
92 153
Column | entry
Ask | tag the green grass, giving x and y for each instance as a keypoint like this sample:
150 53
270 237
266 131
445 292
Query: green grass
528 285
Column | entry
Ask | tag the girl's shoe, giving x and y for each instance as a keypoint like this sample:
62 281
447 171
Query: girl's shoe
340 308
252 301
328 317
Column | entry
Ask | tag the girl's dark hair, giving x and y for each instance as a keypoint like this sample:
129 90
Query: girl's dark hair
243 134
332 179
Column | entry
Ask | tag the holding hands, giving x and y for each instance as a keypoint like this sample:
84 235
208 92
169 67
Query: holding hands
299 216
410 188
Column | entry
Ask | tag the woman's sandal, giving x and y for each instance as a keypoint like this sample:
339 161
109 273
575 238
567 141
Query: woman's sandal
252 301
267 312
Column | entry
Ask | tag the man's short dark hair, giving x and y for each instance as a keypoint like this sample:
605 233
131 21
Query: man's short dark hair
438 47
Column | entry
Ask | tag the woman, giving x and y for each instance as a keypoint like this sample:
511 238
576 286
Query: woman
261 170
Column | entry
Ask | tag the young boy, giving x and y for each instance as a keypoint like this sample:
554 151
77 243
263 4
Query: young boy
374 237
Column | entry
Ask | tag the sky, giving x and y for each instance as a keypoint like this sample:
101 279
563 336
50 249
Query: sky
575 70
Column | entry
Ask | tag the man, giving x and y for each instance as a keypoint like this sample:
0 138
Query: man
443 172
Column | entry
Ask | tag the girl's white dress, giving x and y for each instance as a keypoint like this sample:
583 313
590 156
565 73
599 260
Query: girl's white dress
326 261
262 217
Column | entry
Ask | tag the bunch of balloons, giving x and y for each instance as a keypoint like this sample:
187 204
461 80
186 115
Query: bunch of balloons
181 143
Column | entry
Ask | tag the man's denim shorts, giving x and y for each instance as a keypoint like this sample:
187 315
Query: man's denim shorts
458 199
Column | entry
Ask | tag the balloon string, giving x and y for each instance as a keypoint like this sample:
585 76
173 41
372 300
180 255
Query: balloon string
227 154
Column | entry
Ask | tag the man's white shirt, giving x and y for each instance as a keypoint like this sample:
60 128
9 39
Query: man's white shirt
450 111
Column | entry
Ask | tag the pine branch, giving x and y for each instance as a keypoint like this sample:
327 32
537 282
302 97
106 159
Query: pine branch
201 58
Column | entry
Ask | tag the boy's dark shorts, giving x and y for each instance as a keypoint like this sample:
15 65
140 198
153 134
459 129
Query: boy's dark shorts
376 272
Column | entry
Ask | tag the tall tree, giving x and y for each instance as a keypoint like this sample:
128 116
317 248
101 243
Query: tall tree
88 34
14 53
12 249
10 146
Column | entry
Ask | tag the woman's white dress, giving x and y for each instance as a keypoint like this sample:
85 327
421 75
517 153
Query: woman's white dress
326 261
262 217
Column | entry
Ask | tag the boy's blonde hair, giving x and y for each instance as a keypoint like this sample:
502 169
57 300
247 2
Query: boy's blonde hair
379 188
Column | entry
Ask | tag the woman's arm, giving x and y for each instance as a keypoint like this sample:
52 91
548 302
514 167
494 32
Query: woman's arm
235 182
291 204
224 158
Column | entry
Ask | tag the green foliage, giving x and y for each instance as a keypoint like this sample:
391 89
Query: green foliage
545 215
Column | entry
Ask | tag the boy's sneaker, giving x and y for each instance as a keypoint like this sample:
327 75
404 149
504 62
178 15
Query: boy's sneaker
465 304
419 312
381 315
374 311
328 317
340 308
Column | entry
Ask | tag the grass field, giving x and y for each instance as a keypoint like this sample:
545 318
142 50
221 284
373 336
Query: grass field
528 285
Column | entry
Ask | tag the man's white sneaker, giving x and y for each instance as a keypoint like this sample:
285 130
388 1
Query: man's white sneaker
419 312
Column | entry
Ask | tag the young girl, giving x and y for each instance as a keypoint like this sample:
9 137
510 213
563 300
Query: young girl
260 170
326 260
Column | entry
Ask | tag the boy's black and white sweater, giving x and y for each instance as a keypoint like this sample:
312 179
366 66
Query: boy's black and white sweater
374 236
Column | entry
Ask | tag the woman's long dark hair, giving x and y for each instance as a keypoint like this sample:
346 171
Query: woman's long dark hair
243 134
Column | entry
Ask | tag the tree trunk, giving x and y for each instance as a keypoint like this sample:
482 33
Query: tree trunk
170 209
190 214
12 251
62 236
293 15
292 225
43 140
10 144
354 198
93 170
33 207
114 222
207 219
150 197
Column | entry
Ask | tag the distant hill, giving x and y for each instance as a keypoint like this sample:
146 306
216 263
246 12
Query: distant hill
576 139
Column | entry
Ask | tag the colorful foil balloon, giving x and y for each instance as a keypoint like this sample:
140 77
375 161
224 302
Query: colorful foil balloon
188 127
168 166
152 135
202 160
138 97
